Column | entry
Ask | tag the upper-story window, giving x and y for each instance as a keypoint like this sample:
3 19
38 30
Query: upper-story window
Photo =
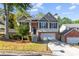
53 25
43 24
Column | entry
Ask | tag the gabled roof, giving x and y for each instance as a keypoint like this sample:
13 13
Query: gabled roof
65 32
48 17
71 25
37 18
23 18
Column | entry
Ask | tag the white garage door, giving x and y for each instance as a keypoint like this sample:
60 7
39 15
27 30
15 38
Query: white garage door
73 40
48 36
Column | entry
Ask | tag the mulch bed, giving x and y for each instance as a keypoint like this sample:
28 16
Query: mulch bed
18 41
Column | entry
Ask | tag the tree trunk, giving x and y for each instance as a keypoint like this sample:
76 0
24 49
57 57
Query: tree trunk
6 21
22 38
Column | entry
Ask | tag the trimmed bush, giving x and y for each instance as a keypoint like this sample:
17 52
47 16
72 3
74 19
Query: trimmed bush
14 36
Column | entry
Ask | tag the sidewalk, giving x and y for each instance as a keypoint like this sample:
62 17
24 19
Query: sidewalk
23 53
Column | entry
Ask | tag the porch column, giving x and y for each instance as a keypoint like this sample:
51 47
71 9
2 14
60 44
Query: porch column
30 26
38 28
38 24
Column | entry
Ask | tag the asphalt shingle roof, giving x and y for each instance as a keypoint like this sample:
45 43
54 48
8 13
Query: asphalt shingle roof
65 31
48 17
72 25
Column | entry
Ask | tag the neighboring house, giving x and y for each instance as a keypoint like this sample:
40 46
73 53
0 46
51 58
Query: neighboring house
1 26
24 20
70 33
42 28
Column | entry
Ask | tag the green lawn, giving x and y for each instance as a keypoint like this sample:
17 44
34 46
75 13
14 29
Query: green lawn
38 47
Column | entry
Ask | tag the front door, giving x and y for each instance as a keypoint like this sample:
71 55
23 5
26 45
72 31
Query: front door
34 36
34 30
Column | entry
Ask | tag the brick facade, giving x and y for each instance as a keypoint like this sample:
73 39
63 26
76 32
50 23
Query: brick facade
73 33
34 24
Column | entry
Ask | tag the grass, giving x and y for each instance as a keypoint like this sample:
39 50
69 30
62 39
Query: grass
37 47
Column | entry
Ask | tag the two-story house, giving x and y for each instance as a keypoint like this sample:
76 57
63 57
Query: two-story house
42 28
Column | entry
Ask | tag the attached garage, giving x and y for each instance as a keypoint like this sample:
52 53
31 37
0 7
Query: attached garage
48 36
71 36
73 40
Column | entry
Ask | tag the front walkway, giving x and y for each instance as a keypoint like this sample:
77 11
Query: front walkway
62 49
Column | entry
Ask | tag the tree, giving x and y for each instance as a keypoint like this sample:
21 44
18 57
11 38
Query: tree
6 20
59 19
19 14
11 7
12 20
40 14
66 20
23 30
76 21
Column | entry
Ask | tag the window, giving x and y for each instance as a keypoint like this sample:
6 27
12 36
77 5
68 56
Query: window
53 25
43 25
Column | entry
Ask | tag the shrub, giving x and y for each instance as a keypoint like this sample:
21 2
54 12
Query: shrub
11 36
14 36
23 30
30 37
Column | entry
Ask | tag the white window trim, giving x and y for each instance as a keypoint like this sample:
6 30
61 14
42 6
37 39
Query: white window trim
48 25
43 23
53 22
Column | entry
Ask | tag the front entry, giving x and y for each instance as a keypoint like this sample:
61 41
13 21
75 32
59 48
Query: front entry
34 31
34 36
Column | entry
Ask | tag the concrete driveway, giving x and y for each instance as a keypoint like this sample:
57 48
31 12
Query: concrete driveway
62 49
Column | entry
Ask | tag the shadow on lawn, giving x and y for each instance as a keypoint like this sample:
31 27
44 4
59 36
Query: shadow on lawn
24 41
22 55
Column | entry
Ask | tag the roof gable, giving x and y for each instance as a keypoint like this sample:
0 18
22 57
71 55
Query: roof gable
71 25
50 17
22 18
47 17
43 19
70 31
65 31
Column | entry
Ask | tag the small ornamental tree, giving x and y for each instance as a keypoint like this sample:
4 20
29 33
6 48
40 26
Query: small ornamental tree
23 30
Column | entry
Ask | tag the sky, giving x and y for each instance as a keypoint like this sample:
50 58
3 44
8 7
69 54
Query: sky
70 10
